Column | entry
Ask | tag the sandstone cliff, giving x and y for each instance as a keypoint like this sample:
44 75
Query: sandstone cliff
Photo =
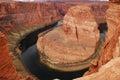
110 49
98 8
7 69
109 71
68 45
19 18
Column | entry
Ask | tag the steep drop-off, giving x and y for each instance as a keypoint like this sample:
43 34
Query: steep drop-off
108 61
67 48
19 18
7 69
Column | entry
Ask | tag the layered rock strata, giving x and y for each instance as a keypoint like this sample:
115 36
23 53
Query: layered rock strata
109 71
111 46
98 8
7 69
20 18
108 61
72 43
113 19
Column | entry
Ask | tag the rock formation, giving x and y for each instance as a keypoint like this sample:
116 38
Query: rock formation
113 19
109 71
69 44
110 49
7 69
19 18
98 8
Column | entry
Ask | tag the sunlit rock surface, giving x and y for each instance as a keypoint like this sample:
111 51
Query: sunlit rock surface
98 8
109 71
111 47
19 18
113 19
75 41
7 69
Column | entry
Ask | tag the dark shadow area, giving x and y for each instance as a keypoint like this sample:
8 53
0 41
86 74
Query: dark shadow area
31 60
32 37
103 27
31 57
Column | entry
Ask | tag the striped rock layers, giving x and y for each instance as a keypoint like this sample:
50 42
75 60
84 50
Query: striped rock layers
110 49
7 69
72 43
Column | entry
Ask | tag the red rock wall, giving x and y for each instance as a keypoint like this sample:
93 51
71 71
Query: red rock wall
7 69
27 13
111 46
109 71
100 68
20 18
99 8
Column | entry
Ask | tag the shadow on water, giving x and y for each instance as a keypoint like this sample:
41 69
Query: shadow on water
32 37
31 58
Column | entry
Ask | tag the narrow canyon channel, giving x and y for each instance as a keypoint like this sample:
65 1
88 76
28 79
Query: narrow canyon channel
30 57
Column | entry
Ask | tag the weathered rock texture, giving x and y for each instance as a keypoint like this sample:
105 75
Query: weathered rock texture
98 8
109 71
20 18
116 1
69 43
113 19
111 47
28 13
7 69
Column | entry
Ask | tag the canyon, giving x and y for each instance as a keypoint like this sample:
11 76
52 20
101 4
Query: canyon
68 44
18 18
16 21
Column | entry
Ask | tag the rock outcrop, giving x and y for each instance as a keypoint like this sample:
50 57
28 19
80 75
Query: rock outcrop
98 8
67 45
20 18
113 19
111 46
28 13
7 69
109 71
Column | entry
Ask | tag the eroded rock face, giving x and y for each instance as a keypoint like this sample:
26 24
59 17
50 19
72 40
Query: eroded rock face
98 8
111 48
79 25
69 44
109 71
113 19
117 1
7 69
20 18
28 14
